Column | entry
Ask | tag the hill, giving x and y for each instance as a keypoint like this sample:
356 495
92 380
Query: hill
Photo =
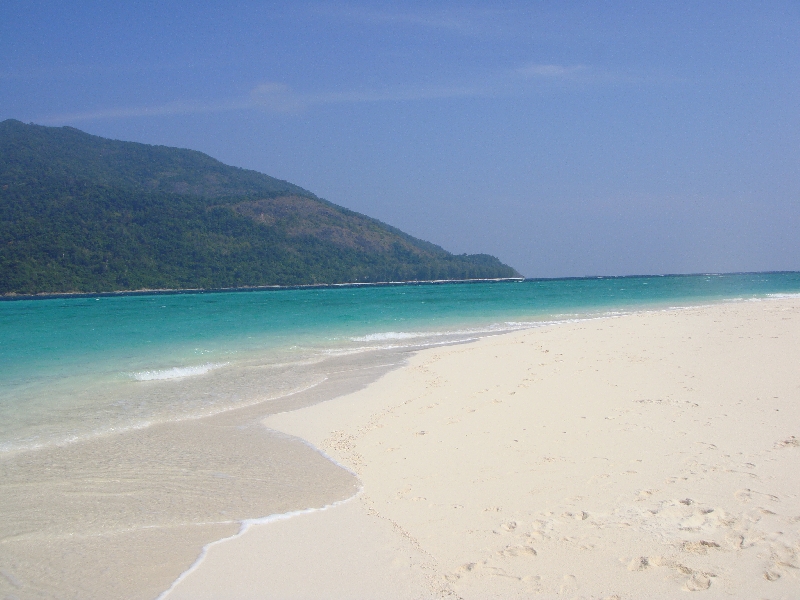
81 213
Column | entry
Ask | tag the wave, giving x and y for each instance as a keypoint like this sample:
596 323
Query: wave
392 335
409 335
176 372
487 329
422 345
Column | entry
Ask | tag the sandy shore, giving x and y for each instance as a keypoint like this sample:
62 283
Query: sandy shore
123 515
648 455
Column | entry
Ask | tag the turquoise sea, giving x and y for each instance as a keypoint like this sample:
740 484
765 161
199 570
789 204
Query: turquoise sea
72 368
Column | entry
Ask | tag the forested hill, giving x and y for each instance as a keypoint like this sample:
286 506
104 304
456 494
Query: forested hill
81 213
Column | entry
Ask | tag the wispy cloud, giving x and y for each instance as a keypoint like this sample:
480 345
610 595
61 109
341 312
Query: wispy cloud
280 98
551 70
275 98
169 109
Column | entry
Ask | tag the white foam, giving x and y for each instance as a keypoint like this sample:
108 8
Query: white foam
245 525
408 335
176 372
362 349
390 335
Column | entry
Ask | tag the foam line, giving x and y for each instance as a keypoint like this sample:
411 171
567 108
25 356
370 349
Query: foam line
176 372
245 525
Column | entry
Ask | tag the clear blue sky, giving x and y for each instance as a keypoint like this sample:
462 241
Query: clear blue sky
564 138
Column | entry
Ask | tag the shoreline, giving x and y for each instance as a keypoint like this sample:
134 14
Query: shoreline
261 288
123 515
356 430
245 525
312 286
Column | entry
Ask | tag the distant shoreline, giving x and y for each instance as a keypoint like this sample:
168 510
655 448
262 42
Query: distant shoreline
313 286
259 288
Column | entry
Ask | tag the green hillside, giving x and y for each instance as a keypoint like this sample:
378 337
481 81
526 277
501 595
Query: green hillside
81 213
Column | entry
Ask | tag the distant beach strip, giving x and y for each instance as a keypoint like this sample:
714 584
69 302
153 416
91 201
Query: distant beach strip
257 288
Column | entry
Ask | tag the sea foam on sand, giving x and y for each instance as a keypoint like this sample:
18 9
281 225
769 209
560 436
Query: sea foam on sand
649 455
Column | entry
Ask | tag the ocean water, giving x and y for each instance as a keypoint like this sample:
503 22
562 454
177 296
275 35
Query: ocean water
77 368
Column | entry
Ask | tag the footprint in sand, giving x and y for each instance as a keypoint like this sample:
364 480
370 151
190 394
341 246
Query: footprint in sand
515 551
461 571
783 560
569 585
698 582
533 581
644 495
701 547
639 563
746 495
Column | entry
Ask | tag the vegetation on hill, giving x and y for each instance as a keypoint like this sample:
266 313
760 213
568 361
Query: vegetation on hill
81 213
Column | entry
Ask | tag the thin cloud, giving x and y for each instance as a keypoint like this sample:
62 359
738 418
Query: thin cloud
280 98
587 75
550 70
272 97
403 94
171 109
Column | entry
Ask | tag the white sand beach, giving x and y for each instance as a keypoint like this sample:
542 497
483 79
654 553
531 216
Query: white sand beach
648 455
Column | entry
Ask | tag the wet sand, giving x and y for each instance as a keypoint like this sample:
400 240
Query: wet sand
648 455
122 516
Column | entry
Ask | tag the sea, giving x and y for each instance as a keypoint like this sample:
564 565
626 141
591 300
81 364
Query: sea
77 368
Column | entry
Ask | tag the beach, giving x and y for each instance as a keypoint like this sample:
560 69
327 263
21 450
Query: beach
121 516
641 455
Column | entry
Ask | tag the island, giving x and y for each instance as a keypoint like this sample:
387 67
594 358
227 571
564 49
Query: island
85 214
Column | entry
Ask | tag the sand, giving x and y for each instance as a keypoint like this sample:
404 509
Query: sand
123 515
647 455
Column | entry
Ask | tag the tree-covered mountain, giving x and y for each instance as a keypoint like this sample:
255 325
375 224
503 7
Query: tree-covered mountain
81 213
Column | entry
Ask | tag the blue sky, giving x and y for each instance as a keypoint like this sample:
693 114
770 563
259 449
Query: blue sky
565 138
